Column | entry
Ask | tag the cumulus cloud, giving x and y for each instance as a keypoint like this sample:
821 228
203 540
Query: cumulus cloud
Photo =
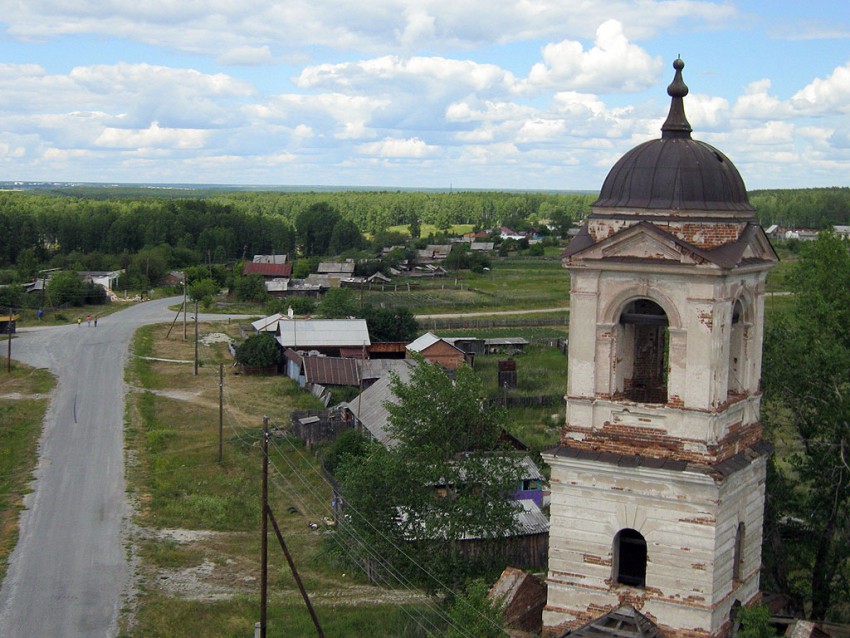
153 136
389 72
398 148
612 64
437 25
821 96
757 104
409 72
540 130
246 56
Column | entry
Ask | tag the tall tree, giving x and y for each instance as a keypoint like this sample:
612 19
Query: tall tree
443 479
338 303
315 227
345 236
806 376
390 324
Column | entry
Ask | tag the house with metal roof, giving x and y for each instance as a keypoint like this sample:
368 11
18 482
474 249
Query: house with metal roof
331 371
267 324
326 336
368 409
270 259
267 270
437 350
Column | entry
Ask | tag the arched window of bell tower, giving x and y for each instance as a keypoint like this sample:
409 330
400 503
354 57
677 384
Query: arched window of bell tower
643 351
736 383
630 558
738 554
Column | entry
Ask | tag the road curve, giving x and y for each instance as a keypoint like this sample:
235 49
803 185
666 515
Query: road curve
69 571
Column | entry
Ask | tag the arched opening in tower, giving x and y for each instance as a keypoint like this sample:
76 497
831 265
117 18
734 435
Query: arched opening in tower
736 383
645 351
630 558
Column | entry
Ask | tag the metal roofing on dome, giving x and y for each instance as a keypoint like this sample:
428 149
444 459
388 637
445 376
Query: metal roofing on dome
675 172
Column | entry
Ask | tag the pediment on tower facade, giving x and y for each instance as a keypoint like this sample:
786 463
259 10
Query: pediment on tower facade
642 242
751 247
646 242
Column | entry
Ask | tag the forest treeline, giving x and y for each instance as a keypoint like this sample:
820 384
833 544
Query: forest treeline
220 225
229 225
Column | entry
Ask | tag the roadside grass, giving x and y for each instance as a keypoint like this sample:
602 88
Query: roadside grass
20 428
61 316
197 521
286 619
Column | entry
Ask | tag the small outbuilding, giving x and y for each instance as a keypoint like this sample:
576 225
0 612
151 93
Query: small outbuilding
437 350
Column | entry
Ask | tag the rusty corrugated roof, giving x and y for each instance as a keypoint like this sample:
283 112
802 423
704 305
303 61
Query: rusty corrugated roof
331 371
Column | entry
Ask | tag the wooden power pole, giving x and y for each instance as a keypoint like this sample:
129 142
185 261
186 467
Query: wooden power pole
264 541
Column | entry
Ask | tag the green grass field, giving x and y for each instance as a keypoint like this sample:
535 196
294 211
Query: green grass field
23 403
197 538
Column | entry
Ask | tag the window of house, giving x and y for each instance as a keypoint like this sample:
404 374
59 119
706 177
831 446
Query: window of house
645 349
630 558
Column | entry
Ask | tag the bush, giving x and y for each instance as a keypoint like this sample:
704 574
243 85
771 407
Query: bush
299 305
259 350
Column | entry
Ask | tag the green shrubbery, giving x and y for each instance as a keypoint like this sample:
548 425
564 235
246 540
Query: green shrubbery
259 350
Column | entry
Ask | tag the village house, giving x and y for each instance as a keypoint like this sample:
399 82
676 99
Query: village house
507 233
268 271
324 336
433 252
106 279
270 259
331 274
437 350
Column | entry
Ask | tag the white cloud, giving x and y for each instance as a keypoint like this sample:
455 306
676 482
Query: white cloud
398 148
612 64
442 75
822 96
379 25
757 104
153 136
540 130
8 151
246 56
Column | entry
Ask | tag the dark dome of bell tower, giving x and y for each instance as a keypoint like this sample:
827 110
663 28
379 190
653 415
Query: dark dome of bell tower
676 172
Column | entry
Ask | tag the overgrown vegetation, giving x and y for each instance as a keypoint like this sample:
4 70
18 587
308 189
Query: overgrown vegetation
198 520
446 478
806 377
23 402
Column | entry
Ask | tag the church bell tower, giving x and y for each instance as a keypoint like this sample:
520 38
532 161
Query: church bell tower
658 480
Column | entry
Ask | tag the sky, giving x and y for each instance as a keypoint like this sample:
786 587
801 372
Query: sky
464 94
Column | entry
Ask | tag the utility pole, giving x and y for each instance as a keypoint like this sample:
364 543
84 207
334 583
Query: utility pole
185 286
264 541
220 409
9 339
260 632
196 337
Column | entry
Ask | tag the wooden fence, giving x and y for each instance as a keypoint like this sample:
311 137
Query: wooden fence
454 323
527 402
